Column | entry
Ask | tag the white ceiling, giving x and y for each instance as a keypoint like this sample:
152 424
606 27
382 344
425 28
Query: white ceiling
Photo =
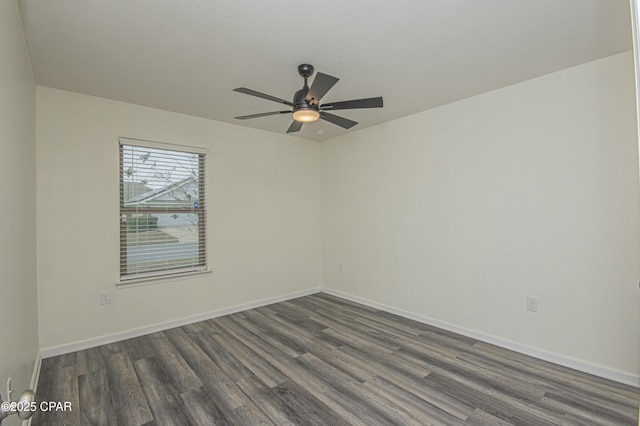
187 56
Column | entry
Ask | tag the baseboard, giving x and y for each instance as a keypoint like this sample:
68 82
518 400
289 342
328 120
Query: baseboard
576 364
33 385
141 331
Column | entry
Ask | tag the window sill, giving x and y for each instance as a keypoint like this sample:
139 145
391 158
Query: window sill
136 282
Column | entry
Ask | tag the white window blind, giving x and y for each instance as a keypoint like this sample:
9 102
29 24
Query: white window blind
162 209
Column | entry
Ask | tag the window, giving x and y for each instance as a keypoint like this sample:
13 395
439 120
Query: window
162 210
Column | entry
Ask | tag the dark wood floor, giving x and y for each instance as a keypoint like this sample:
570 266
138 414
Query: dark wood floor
321 360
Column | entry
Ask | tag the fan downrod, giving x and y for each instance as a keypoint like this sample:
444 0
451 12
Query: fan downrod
305 70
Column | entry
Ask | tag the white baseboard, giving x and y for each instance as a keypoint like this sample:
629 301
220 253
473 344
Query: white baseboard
576 364
141 331
36 372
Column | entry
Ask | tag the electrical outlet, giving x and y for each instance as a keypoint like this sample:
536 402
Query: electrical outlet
105 297
340 269
532 304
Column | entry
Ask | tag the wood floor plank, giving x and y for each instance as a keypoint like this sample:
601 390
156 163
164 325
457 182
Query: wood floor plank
482 418
183 378
311 409
337 358
216 349
214 378
356 340
292 311
549 372
571 420
418 388
472 376
585 390
576 407
308 381
162 396
454 363
68 392
277 340
373 407
427 408
320 360
387 364
338 321
375 335
463 383
306 329
204 409
94 399
499 405
261 395
60 385
126 394
406 327
251 415
48 381
250 354
139 347
283 364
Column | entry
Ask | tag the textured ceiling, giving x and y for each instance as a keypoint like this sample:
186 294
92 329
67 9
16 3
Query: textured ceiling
187 56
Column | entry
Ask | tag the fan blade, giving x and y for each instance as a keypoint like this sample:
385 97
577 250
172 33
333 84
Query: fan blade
262 95
353 104
337 120
295 127
322 83
262 114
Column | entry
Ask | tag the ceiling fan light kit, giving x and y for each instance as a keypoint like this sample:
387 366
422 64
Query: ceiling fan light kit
306 102
306 115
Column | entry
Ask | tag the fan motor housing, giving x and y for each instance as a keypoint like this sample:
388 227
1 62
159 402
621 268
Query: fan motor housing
300 96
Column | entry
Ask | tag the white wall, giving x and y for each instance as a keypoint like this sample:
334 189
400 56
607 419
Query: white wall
18 306
264 217
459 213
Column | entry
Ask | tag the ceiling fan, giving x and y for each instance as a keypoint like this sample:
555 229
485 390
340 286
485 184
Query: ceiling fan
306 102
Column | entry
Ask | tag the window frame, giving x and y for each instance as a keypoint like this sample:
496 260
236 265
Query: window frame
168 273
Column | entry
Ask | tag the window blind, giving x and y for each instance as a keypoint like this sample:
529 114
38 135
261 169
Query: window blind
162 209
